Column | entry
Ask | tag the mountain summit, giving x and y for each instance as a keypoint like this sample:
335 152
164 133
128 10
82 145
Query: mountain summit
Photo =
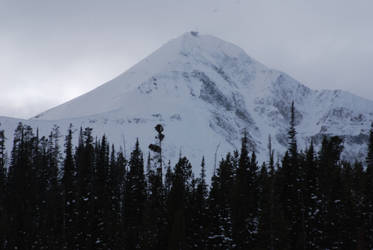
205 92
170 66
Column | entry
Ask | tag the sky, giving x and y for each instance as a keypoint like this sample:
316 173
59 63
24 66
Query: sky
52 51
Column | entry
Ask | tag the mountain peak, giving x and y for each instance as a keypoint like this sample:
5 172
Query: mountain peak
194 42
206 91
190 52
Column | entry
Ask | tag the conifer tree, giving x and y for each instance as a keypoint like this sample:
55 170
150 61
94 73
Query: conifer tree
116 177
368 193
264 210
168 179
22 202
2 162
271 229
369 158
54 205
292 191
84 159
350 225
220 226
69 186
312 200
331 186
243 200
3 181
101 195
293 151
178 206
267 204
41 166
156 204
134 201
199 213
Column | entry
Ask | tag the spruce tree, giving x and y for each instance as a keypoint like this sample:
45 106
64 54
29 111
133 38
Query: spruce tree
368 193
265 238
22 203
116 177
350 225
199 213
134 201
69 194
3 181
168 179
268 204
178 206
220 210
293 151
312 200
41 165
54 196
244 201
101 195
84 159
369 158
331 190
292 191
156 204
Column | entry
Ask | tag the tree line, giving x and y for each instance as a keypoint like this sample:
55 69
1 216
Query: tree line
91 196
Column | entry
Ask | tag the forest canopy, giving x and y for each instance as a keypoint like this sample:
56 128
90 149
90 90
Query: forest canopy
91 196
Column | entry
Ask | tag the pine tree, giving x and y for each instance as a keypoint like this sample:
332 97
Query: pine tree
168 179
267 204
22 203
178 205
156 204
358 195
101 195
157 148
84 159
293 151
41 166
134 201
253 198
199 222
312 201
54 195
368 193
244 201
69 194
116 177
220 211
265 239
3 181
369 158
330 184
292 191
350 225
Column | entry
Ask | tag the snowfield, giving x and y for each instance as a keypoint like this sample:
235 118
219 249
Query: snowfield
205 92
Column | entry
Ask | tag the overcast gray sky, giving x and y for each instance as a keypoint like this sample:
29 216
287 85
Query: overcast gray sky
54 50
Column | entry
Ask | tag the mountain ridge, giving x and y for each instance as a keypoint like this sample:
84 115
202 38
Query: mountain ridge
205 92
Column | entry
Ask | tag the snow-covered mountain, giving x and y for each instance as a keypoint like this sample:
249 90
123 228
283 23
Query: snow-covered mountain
205 92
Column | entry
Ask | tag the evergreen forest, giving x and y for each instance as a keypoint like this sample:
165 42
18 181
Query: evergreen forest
91 196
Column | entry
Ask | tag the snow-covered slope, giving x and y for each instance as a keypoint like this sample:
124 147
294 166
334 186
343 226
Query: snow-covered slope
205 92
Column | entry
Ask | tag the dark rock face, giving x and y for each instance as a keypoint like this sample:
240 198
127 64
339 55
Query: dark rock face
210 92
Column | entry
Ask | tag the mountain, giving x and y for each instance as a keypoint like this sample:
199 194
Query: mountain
205 92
